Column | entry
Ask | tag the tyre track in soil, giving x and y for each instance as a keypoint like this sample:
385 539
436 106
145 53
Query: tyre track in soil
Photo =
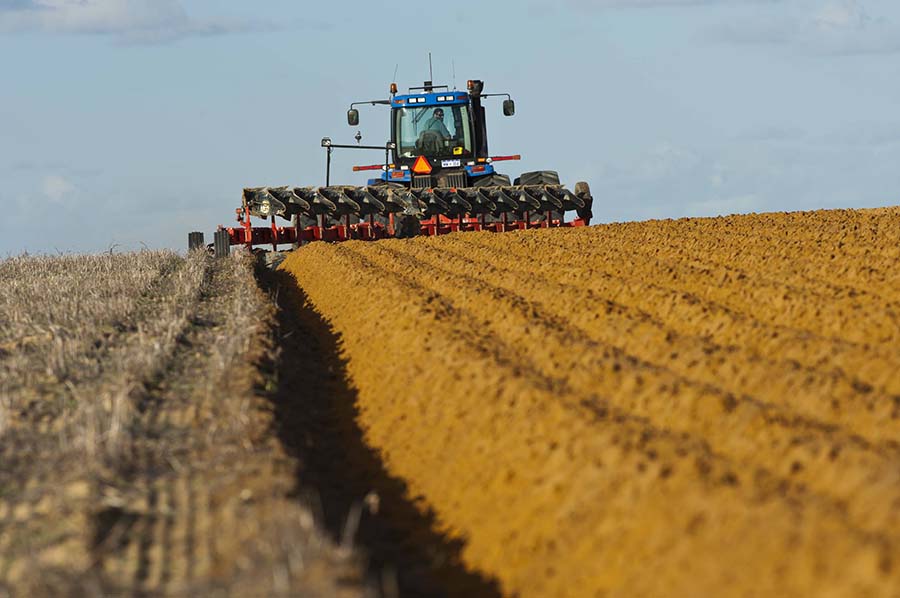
203 504
316 407
45 416
42 540
571 474
150 496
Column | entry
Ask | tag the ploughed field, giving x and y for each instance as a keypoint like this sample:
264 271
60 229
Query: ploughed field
701 407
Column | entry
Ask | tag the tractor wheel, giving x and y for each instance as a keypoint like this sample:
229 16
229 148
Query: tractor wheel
406 226
541 177
538 177
222 243
300 222
492 180
583 190
195 241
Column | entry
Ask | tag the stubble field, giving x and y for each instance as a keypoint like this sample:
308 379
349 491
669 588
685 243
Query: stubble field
702 407
139 448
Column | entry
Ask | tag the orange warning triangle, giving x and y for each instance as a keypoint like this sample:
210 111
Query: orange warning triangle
422 166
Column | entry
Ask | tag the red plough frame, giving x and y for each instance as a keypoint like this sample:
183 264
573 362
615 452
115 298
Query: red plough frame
249 235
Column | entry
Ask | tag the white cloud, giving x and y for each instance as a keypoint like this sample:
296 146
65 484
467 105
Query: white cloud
836 27
56 188
130 20
843 16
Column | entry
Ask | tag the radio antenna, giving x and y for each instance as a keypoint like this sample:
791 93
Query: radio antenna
453 71
430 70
396 68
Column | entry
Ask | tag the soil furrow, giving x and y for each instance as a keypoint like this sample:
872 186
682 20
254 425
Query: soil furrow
691 314
776 302
819 393
316 408
833 309
448 420
862 277
810 455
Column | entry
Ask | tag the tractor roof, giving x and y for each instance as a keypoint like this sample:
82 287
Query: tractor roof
448 98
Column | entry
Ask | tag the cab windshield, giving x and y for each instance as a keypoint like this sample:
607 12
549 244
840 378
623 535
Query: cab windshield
433 131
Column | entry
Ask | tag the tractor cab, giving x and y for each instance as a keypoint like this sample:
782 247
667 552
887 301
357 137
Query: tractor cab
439 135
435 129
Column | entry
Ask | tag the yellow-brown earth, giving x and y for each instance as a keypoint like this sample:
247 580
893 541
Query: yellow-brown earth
702 407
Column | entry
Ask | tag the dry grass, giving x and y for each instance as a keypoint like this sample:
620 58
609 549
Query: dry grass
55 313
137 443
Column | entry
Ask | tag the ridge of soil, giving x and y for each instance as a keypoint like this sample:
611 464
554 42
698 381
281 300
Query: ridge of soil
691 407
355 496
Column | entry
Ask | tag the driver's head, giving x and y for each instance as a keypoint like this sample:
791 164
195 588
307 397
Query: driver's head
439 113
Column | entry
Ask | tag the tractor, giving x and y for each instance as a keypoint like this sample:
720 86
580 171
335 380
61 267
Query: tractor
438 177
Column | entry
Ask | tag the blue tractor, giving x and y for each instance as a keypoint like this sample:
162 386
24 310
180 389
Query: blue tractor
437 177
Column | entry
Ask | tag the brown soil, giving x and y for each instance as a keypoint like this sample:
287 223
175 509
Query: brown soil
357 500
674 408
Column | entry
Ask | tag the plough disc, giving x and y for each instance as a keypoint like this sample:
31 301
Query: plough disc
341 212
335 202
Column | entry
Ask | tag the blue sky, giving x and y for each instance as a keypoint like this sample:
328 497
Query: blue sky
128 123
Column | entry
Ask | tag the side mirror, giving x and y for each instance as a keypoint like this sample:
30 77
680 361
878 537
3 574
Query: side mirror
353 117
509 107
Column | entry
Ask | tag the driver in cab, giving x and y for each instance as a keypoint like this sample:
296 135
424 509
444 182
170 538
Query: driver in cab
436 123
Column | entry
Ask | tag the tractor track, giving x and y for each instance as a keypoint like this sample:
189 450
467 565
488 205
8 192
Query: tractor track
585 406
205 501
184 488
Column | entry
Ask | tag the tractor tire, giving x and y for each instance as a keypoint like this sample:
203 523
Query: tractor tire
195 241
538 177
541 177
302 222
222 243
403 228
583 190
406 226
492 180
